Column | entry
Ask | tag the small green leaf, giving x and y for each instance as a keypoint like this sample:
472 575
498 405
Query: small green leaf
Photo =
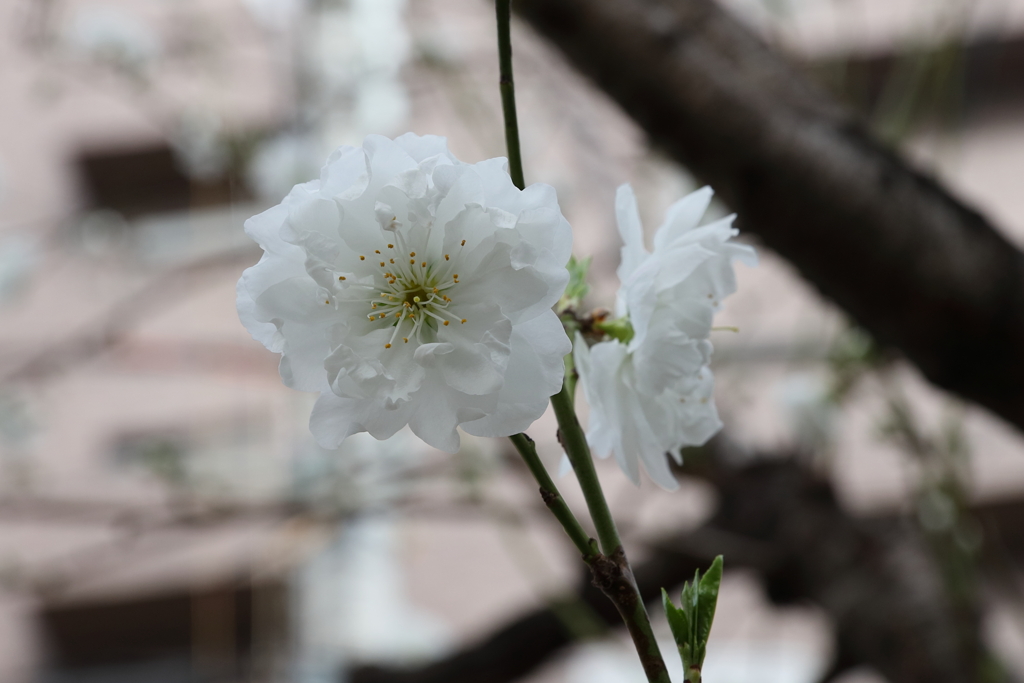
677 620
708 600
691 622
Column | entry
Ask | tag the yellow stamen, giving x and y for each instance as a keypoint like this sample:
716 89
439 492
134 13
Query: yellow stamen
405 339
446 323
391 246
341 277
463 242
463 321
412 253
387 346
447 257
362 258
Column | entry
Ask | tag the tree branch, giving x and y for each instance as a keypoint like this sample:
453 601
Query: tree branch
876 579
912 264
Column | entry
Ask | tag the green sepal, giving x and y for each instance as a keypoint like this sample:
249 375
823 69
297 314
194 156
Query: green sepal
691 622
618 328
577 287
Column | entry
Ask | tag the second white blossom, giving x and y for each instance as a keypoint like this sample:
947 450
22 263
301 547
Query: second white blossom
651 392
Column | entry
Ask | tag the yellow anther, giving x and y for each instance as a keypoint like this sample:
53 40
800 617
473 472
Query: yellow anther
327 301
398 314
376 251
387 346
463 321
412 261
435 290
405 339
447 257
406 304
463 242
391 246
381 264
423 264
392 261
362 258
412 253
341 277
373 305
446 323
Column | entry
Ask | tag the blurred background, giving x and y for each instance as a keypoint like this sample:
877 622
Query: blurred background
165 516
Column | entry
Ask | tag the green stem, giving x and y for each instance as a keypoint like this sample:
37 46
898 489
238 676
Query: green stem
575 444
508 93
553 499
612 572
610 568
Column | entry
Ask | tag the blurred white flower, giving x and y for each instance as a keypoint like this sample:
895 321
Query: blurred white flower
273 15
650 391
111 35
281 162
810 410
354 606
411 288
199 143
18 258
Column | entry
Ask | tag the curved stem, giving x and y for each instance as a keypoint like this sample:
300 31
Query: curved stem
553 499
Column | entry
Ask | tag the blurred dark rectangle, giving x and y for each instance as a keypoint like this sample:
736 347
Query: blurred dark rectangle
138 181
217 629
981 73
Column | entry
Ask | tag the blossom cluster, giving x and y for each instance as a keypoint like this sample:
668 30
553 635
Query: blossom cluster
650 393
410 288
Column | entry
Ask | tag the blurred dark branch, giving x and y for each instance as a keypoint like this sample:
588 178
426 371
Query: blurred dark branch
911 263
166 289
875 578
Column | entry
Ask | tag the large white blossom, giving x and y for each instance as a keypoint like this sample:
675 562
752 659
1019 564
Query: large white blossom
651 393
411 288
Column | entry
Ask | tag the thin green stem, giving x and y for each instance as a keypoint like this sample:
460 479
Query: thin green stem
612 572
508 93
610 567
553 499
575 444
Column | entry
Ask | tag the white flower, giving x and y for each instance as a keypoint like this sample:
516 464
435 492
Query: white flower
411 288
652 394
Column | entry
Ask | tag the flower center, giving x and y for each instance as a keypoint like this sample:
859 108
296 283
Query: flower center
412 295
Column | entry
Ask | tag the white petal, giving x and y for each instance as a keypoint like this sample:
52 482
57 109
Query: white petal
627 214
682 217
535 370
